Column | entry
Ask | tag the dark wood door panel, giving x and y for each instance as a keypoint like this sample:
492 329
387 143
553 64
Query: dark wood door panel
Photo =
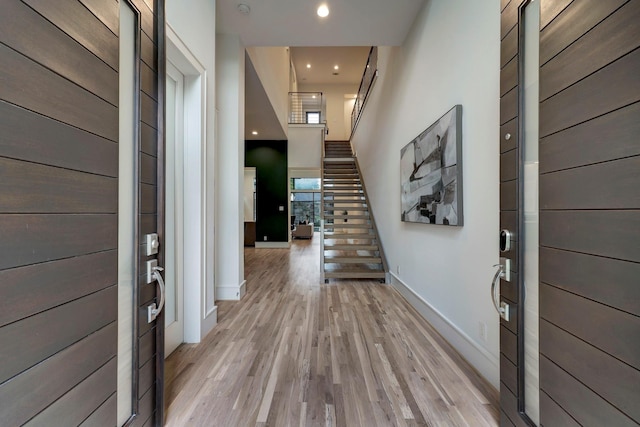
107 12
33 188
30 239
549 9
148 140
36 88
79 403
509 106
148 110
608 137
613 234
574 21
146 378
34 288
609 281
509 166
71 60
509 76
608 41
509 221
508 374
148 169
145 410
551 414
105 415
509 290
509 405
148 79
79 23
148 19
148 52
509 195
616 382
56 329
609 185
509 47
147 347
512 324
612 87
39 139
148 199
586 407
43 384
509 142
508 344
592 322
509 18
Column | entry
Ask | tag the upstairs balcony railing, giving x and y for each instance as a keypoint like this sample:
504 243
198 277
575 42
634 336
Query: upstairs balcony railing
307 108
368 78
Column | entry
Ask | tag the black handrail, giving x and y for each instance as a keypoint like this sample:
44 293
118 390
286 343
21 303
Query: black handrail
368 77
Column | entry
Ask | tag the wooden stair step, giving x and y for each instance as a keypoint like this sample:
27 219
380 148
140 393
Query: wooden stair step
343 217
351 247
354 274
352 260
343 236
329 208
347 225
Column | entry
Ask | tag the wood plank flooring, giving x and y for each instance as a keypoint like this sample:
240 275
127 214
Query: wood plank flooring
294 352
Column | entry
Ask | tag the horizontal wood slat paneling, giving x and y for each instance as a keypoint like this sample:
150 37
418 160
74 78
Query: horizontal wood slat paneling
608 41
510 128
54 330
147 377
509 374
43 384
29 239
71 60
509 166
617 382
551 414
148 80
509 106
584 405
613 234
145 409
148 169
617 136
549 9
512 324
509 221
575 20
148 52
35 138
34 288
609 281
509 290
33 188
509 18
509 405
80 402
503 4
509 76
609 185
613 87
509 195
107 12
36 88
509 344
147 349
509 47
148 140
148 196
148 19
592 322
148 110
105 415
78 22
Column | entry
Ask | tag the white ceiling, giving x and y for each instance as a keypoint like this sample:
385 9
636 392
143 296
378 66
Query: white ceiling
295 22
350 60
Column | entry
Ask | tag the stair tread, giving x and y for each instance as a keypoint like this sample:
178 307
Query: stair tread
352 260
354 274
349 236
341 217
351 247
347 225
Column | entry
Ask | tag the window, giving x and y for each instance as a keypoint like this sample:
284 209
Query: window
305 184
313 117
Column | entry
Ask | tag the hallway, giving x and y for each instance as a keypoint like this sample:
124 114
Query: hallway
294 352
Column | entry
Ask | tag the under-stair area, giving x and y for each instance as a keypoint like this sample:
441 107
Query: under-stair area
350 245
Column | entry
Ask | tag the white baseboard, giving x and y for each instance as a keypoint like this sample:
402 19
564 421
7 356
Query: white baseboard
485 363
231 292
273 245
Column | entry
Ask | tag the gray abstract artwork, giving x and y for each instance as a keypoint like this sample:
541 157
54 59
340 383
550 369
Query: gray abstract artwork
431 173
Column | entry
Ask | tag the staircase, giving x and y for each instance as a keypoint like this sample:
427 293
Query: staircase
350 244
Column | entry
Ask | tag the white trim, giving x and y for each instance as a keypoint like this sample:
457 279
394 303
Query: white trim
485 363
273 245
231 292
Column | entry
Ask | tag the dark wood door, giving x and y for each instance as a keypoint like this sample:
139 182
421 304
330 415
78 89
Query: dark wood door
59 208
589 195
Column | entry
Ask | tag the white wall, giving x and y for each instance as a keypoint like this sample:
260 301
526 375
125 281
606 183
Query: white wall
336 107
451 56
272 66
230 283
304 149
194 28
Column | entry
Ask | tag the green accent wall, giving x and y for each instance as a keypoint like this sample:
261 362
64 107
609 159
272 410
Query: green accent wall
270 160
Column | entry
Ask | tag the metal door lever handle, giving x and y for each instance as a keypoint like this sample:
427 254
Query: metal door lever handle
501 307
153 311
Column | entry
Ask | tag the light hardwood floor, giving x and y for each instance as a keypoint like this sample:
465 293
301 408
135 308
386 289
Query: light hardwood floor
294 352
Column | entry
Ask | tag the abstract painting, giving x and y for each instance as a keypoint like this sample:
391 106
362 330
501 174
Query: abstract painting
431 173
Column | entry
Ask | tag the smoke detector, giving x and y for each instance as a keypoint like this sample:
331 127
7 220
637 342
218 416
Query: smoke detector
244 9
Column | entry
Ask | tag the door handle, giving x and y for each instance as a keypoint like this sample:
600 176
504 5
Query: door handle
152 310
503 272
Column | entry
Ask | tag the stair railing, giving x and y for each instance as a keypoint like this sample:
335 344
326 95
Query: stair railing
383 257
322 206
368 79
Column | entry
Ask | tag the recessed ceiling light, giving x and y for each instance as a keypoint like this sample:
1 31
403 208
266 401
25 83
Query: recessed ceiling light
255 132
313 96
335 67
244 9
308 65
323 11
